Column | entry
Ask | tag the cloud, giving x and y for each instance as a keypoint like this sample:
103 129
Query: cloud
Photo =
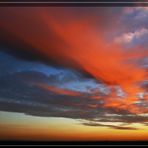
30 32
102 77
130 36
58 90
110 126
124 118
19 94
139 12
77 51
42 94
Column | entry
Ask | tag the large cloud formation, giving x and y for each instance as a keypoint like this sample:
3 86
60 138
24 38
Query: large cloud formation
67 65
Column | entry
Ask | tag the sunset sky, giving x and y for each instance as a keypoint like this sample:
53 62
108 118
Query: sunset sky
74 73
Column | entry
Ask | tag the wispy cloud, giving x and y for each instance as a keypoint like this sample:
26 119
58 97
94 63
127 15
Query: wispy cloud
110 126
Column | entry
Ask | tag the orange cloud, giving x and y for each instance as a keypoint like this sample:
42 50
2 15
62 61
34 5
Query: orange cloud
79 42
106 62
58 90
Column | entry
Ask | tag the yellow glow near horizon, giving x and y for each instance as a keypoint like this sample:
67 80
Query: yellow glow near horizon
17 126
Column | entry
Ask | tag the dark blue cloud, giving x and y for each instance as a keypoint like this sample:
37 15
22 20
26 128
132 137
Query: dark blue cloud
19 94
17 89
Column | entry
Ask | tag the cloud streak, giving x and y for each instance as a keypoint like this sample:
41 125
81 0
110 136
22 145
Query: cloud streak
110 126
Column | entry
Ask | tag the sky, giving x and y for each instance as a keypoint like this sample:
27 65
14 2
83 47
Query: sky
73 73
